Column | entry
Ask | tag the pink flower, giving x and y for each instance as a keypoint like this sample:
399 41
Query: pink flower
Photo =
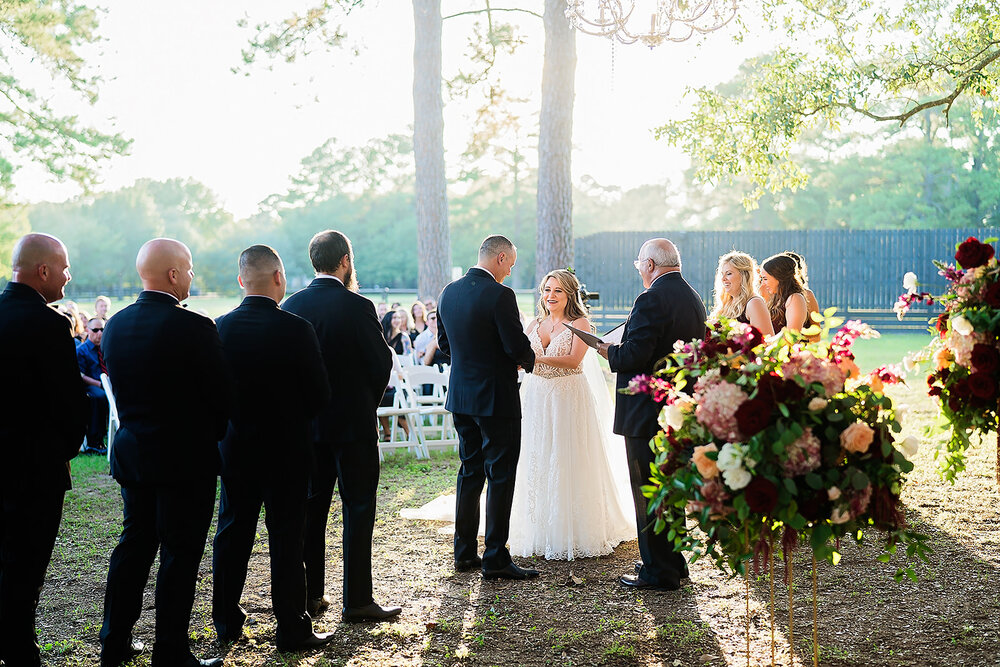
961 346
857 437
707 468
715 496
813 369
717 406
802 455
859 501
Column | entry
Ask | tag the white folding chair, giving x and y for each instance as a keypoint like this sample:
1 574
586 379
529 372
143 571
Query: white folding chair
402 406
436 428
113 421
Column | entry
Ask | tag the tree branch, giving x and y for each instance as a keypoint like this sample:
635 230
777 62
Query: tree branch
494 9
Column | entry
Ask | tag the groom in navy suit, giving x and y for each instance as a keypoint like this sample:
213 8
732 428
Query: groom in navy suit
479 326
667 311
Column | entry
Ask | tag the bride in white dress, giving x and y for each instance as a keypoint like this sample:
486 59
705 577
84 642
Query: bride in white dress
572 485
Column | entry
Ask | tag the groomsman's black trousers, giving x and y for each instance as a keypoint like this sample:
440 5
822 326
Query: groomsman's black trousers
661 565
283 497
30 510
174 520
489 448
353 468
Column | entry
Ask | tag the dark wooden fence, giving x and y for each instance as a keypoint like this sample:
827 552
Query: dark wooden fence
858 271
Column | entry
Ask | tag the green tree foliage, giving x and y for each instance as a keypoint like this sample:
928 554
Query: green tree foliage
39 39
842 60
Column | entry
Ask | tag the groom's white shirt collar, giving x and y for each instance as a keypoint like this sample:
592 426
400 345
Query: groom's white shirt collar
486 271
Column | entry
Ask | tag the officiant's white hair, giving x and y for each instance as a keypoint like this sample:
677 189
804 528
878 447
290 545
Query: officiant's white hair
662 251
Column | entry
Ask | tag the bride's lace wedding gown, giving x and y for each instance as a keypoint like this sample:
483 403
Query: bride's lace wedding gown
571 496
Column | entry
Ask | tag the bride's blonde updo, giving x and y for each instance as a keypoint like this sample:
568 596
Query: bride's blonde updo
571 286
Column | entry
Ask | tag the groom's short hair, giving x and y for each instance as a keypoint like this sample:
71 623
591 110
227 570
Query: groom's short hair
494 245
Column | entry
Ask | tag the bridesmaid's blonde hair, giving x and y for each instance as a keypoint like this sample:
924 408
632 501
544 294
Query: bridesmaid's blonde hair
571 286
727 305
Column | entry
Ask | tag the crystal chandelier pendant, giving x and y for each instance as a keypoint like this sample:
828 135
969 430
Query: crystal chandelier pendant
667 20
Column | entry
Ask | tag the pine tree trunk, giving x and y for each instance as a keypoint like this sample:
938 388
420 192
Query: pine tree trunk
555 143
433 241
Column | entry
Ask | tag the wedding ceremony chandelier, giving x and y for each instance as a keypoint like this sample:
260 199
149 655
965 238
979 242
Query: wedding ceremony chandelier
667 20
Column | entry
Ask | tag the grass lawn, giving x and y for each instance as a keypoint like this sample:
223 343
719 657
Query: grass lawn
576 613
889 349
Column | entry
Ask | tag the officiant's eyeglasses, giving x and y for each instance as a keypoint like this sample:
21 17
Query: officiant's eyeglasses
639 262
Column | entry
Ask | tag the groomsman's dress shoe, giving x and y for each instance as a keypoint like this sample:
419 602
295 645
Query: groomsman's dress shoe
316 606
311 641
637 582
468 565
113 659
189 661
371 612
685 574
511 571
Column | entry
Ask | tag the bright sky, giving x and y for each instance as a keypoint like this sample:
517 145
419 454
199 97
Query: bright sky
168 86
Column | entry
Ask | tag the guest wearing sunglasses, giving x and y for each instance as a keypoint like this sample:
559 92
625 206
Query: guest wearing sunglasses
91 361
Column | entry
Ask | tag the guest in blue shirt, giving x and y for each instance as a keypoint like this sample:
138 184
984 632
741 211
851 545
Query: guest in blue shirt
91 361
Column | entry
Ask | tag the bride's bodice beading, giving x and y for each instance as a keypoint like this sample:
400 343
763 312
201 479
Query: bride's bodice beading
559 346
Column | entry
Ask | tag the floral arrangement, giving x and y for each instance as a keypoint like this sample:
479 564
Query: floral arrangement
964 352
780 441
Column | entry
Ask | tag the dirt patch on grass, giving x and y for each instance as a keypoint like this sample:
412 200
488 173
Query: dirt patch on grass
575 613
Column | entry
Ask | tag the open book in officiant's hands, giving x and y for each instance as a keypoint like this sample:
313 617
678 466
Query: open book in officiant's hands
612 337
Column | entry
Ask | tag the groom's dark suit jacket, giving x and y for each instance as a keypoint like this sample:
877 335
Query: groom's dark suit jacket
478 325
670 310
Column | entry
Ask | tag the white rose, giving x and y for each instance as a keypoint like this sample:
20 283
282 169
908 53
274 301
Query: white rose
910 446
833 493
817 404
961 326
901 411
910 282
671 416
909 365
737 478
840 516
730 457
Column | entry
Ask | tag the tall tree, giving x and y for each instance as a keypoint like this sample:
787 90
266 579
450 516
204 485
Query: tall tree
433 242
555 143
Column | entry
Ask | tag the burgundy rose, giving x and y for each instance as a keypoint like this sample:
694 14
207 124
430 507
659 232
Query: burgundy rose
761 495
815 505
961 389
752 416
991 295
934 391
955 403
773 387
985 358
971 253
982 385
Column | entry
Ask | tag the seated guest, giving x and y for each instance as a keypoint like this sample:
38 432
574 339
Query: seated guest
173 394
78 322
425 337
266 347
786 301
419 314
433 356
102 307
91 361
399 334
41 429
381 309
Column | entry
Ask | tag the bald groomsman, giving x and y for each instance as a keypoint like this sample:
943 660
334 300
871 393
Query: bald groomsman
267 452
41 428
173 395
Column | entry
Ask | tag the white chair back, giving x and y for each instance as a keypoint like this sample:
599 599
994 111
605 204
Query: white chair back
113 421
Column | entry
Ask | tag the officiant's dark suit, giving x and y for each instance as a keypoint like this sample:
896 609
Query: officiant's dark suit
667 311
44 415
478 325
357 361
173 394
266 457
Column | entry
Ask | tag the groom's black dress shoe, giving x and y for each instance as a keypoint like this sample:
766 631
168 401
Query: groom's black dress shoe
685 574
510 572
311 641
189 661
468 565
370 612
637 582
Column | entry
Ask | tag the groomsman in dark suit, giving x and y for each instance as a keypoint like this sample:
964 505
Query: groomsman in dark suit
478 325
173 395
41 429
667 311
267 451
357 361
